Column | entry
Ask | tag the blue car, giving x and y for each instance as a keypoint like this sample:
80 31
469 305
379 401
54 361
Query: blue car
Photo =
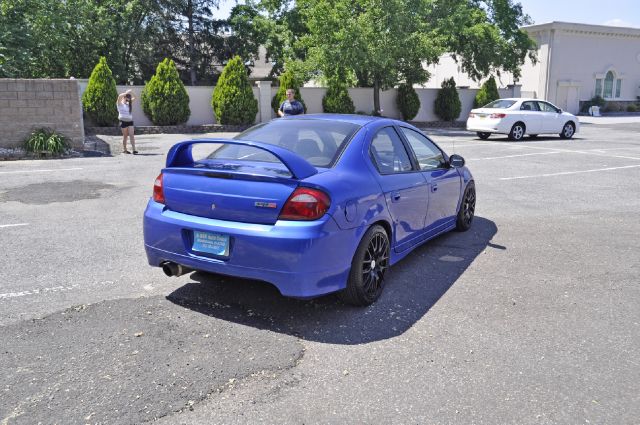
312 204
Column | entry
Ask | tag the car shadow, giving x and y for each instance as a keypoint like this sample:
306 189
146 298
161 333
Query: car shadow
413 286
527 139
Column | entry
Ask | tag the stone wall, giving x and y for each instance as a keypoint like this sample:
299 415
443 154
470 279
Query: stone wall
26 105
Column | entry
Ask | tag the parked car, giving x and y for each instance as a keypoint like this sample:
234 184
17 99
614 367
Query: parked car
519 116
312 204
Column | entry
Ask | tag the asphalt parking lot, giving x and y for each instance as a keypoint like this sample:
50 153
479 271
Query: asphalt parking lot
531 317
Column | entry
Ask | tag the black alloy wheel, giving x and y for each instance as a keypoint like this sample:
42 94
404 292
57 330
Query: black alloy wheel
368 268
467 208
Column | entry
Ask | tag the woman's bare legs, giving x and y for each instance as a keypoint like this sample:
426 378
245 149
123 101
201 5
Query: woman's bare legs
133 139
125 133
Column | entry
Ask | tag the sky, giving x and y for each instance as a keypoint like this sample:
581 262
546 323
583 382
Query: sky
623 13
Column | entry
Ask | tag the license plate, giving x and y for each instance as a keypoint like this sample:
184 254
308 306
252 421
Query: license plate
211 243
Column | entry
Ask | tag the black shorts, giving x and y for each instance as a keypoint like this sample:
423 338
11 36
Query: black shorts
125 124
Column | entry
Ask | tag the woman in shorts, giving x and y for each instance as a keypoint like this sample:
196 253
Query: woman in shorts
126 120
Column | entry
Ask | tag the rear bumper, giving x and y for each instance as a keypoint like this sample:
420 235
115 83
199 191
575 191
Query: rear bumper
302 259
487 125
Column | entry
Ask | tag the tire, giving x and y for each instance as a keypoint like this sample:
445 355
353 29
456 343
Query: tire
467 208
483 135
368 267
533 136
568 130
517 131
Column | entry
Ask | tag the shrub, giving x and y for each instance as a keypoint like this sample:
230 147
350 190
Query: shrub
164 99
232 100
45 140
488 93
337 99
447 104
287 81
408 102
99 98
632 107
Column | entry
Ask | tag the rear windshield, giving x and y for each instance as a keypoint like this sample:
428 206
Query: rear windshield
500 104
317 141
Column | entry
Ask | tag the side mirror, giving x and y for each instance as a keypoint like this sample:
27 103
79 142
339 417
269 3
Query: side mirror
456 161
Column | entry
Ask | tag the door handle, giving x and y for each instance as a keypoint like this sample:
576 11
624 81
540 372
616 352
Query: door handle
434 187
395 196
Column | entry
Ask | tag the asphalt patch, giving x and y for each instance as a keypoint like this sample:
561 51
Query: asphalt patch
63 191
128 361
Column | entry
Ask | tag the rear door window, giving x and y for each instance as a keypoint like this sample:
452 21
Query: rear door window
388 152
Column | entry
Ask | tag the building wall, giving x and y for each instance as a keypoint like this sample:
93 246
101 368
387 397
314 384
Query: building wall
27 105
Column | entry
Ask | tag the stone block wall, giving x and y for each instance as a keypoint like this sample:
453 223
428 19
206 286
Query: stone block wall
26 105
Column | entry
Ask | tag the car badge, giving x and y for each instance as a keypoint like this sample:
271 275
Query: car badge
266 204
213 206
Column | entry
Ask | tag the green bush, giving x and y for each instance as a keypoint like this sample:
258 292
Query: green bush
99 98
408 102
337 99
232 100
164 99
632 107
447 104
488 93
45 140
287 81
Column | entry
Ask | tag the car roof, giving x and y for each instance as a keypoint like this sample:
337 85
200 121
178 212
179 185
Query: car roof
361 120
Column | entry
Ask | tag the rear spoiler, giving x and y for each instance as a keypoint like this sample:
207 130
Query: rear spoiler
180 155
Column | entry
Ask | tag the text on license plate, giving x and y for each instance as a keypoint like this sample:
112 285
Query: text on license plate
211 243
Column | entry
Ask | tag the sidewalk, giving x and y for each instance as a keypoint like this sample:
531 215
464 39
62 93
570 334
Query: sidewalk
586 119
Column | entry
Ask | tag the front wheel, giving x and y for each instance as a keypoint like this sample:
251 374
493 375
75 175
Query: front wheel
467 208
368 267
483 135
568 130
517 131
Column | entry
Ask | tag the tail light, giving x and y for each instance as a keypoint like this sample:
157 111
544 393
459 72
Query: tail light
472 115
497 115
305 204
158 192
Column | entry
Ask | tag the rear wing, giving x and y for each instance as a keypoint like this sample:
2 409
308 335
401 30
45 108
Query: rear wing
180 155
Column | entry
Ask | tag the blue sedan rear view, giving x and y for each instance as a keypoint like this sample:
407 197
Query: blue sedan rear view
311 204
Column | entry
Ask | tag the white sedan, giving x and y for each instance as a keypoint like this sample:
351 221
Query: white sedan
517 117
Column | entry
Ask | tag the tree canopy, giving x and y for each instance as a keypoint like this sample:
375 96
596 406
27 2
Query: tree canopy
368 43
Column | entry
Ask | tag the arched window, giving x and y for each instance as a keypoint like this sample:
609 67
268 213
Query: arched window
608 85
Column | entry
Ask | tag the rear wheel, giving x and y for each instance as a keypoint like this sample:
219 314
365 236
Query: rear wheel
368 267
568 130
517 131
467 208
483 135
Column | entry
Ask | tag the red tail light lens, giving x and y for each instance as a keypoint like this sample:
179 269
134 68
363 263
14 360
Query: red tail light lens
158 193
305 204
497 115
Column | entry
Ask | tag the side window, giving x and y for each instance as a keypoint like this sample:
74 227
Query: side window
428 154
388 153
545 107
529 106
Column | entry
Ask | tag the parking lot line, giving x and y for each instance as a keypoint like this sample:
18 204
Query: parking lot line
13 225
39 171
569 172
514 156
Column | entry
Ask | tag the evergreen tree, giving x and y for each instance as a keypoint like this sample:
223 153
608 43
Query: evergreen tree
447 104
337 99
100 97
407 101
488 93
164 99
233 101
